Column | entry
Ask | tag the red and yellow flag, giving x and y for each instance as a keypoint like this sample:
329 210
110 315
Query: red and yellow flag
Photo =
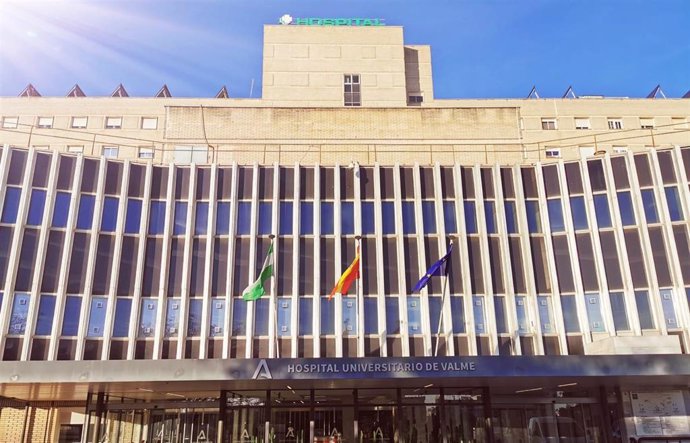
345 281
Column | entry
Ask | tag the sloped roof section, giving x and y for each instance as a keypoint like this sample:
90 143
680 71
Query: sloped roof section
164 92
75 92
657 93
120 91
29 91
223 93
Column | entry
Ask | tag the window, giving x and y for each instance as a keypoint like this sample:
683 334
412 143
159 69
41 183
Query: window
145 153
626 208
371 319
239 317
593 307
347 215
149 123
244 218
111 151
533 219
71 319
20 313
123 308
75 149
388 218
392 316
548 124
570 313
306 224
582 123
201 219
223 218
511 217
408 213
327 218
601 208
414 317
85 214
545 314
133 218
470 217
449 217
615 123
644 311
368 218
180 222
61 210
552 152
79 122
109 219
415 99
265 218
500 313
620 318
45 122
147 318
284 308
458 314
521 312
11 207
353 96
327 316
261 309
113 122
10 122
156 217
429 217
479 316
490 217
649 203
38 200
194 317
46 310
349 311
306 316
667 308
217 317
97 317
646 123
675 210
577 207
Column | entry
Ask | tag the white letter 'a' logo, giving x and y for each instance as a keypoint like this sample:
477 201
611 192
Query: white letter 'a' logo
262 371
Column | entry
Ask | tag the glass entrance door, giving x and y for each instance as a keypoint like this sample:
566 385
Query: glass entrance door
376 424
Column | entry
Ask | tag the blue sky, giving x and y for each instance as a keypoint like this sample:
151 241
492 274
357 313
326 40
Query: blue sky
480 49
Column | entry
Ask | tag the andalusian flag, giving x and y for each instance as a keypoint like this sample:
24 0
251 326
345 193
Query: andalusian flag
256 289
351 274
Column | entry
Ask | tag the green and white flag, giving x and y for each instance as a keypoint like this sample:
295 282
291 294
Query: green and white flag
256 289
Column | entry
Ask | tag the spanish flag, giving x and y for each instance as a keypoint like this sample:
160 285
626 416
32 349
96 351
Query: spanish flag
345 281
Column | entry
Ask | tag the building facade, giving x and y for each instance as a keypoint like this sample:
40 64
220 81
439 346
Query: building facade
131 226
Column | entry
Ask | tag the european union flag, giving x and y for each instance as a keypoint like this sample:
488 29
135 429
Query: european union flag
435 269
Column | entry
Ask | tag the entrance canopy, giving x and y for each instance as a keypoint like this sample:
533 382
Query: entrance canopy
154 379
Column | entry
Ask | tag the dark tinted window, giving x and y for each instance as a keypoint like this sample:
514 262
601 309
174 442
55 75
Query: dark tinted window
109 219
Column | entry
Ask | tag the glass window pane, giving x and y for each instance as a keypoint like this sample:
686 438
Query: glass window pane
172 317
601 208
626 208
244 218
500 312
326 218
133 216
570 313
593 306
180 222
306 316
109 219
201 219
533 220
449 217
479 315
349 316
223 218
521 312
147 318
284 317
392 316
239 317
261 310
414 317
555 215
643 310
620 317
577 206
36 207
265 218
156 217
490 215
368 218
46 311
61 210
123 309
649 202
668 309
371 318
347 215
435 314
217 326
511 217
85 215
675 210
285 218
545 315
470 217
429 217
97 317
408 213
194 318
70 320
306 222
327 316
20 313
458 313
388 217
11 206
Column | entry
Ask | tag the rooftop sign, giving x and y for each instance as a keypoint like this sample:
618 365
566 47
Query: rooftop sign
287 19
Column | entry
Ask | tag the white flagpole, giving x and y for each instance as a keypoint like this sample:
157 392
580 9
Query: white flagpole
443 299
359 309
274 297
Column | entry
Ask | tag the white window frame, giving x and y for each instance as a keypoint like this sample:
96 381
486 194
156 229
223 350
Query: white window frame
546 122
145 152
615 123
113 123
10 122
416 99
552 152
349 80
582 123
45 122
647 123
109 150
76 122
149 123
75 149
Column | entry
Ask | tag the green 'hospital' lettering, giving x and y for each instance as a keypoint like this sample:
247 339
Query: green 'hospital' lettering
314 21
